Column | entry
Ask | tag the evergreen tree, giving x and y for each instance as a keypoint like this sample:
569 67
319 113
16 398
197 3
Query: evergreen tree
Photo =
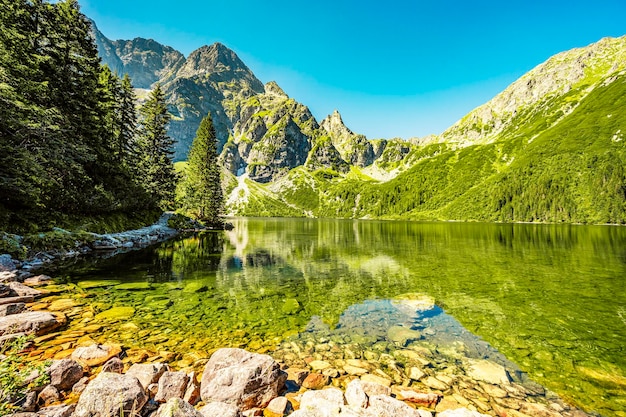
155 146
202 188
128 120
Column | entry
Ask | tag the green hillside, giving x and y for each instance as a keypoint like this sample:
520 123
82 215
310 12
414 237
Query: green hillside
563 167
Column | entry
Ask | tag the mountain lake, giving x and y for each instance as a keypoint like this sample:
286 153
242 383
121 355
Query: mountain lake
546 301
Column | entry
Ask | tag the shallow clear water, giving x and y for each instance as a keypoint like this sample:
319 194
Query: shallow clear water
550 298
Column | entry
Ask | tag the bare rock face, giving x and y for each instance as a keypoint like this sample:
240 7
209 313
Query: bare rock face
246 380
111 395
325 155
354 149
65 373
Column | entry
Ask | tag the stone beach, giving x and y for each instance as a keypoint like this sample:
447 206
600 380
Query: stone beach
319 372
364 367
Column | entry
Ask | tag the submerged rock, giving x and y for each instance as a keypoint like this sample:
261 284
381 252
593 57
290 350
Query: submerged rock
487 371
95 354
246 380
402 336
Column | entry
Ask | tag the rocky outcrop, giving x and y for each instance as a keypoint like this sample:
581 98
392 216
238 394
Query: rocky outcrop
354 149
144 60
246 380
325 155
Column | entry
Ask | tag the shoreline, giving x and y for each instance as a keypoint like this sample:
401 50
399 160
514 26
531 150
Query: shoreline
435 385
432 385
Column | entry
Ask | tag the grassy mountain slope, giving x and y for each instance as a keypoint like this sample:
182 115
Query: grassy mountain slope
557 157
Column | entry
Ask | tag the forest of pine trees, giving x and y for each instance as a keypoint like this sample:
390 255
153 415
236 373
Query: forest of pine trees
72 143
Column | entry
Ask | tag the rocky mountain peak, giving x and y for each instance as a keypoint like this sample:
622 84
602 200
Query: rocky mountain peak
272 88
218 59
334 125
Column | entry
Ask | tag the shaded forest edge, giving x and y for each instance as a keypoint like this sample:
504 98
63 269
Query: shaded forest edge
75 152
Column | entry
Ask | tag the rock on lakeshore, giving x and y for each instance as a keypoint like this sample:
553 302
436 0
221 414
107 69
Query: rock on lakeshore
111 395
246 380
37 322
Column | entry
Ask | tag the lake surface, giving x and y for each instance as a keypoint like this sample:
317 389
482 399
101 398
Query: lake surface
549 299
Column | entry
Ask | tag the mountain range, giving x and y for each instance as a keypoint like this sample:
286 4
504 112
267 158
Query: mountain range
549 148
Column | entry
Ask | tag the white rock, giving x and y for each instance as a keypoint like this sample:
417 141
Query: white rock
355 395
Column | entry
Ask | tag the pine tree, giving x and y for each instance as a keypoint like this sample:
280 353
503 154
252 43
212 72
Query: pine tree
155 163
128 118
202 190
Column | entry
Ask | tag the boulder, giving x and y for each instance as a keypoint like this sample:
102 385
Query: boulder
326 402
22 290
176 407
192 394
95 354
220 409
65 373
315 381
111 395
147 373
38 280
385 406
375 379
49 395
80 386
373 388
12 300
278 407
171 385
297 375
355 395
246 380
487 371
9 309
5 291
114 364
38 322
57 411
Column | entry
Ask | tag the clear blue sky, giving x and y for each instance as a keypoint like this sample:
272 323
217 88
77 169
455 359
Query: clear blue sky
392 68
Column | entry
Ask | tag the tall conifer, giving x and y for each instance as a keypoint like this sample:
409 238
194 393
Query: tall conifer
202 188
155 164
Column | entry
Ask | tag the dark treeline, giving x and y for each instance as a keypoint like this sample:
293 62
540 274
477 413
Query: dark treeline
70 141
